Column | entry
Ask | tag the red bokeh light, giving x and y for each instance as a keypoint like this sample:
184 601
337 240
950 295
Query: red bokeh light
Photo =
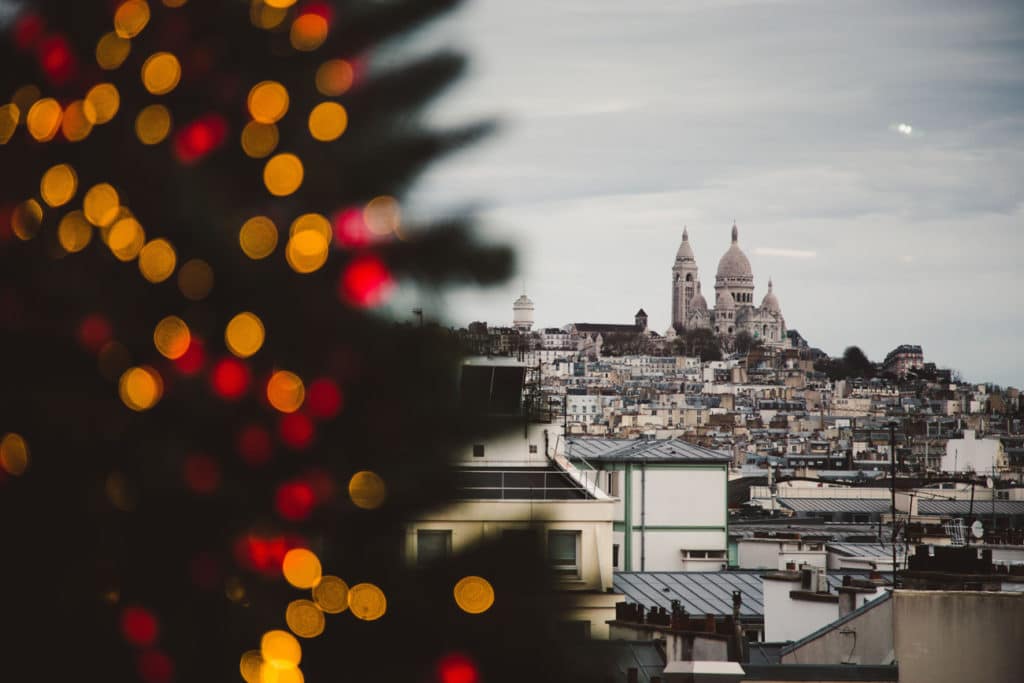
350 229
202 473
322 483
264 554
192 361
319 8
198 138
254 445
230 379
295 430
294 501
139 626
457 668
94 332
56 59
155 667
365 282
27 30
324 399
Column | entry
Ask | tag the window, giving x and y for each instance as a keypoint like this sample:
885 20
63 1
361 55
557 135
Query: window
861 519
432 546
615 554
478 450
613 484
533 448
563 552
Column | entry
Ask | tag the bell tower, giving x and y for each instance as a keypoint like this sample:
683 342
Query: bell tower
685 276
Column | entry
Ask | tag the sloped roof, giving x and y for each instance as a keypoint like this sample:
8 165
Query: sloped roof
836 504
642 450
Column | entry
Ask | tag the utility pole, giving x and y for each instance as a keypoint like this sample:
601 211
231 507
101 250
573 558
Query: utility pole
892 490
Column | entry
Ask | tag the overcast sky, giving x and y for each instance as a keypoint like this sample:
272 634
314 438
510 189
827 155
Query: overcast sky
870 152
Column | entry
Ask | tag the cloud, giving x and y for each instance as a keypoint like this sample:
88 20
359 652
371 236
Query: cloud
785 253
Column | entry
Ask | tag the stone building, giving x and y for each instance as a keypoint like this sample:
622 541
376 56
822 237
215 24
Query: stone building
735 310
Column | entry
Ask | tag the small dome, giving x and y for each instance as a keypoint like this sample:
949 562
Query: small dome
685 252
523 301
698 302
770 301
725 302
734 263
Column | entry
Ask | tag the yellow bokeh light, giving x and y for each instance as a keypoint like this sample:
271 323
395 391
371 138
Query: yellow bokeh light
101 205
293 675
126 239
309 31
78 119
26 219
175 3
279 4
327 121
367 490
58 185
112 50
157 260
316 222
283 174
331 594
268 102
301 568
141 388
285 391
13 454
259 139
43 119
161 73
306 251
153 124
105 101
74 232
258 237
10 114
250 665
244 334
195 279
304 618
25 96
266 17
280 649
382 215
334 77
367 602
130 18
171 337
474 594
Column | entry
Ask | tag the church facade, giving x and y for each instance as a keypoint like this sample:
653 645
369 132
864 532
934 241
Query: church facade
735 310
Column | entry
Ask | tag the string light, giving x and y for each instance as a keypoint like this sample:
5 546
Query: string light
14 454
307 251
112 50
259 140
101 205
331 594
141 388
126 239
474 594
280 649
283 174
285 391
308 32
157 260
367 490
195 279
130 18
105 101
304 618
268 102
26 219
367 602
153 124
334 77
161 73
10 114
78 120
43 120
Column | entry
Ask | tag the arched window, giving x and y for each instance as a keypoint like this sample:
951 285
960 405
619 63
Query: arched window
730 330
689 277
765 331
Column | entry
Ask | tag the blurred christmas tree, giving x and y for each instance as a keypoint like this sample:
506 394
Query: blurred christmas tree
204 422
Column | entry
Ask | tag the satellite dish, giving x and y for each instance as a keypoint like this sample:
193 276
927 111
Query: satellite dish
977 529
989 483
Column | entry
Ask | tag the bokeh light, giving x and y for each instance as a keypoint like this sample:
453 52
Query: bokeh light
327 121
172 337
57 58
365 282
105 101
121 493
126 239
350 228
279 4
101 205
324 399
153 124
301 568
10 114
259 140
474 594
175 3
161 73
280 649
254 445
155 666
307 251
383 216
250 665
258 237
141 388
294 500
94 332
283 174
130 18
264 16
74 232
201 473
244 334
43 120
331 594
230 379
58 185
157 260
78 120
367 490
367 601
312 221
139 626
304 618
14 454
296 431
26 219
308 32
456 667
334 77
200 137
268 102
285 391
112 50
25 96
193 360
195 279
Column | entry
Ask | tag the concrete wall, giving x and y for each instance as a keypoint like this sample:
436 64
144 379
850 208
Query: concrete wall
865 639
786 619
659 550
973 454
775 554
950 637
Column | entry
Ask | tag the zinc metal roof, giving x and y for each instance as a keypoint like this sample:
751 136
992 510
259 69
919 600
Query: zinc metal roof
868 505
637 450
963 507
874 550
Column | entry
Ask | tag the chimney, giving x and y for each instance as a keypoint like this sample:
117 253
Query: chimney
709 623
632 676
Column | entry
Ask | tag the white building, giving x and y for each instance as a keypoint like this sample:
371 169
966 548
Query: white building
971 454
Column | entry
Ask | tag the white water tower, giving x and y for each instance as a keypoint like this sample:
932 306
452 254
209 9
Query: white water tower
522 314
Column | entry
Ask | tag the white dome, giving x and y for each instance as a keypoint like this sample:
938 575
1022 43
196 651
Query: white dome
734 263
725 302
685 252
770 301
522 313
698 302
